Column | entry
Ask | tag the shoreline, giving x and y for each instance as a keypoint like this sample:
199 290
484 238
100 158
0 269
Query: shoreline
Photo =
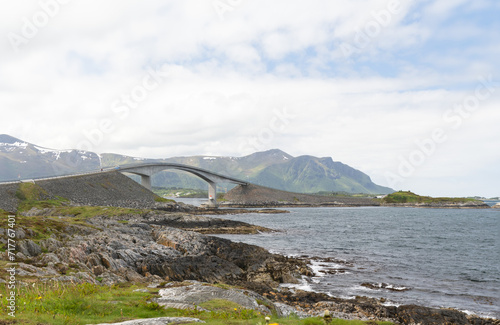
341 205
384 302
466 308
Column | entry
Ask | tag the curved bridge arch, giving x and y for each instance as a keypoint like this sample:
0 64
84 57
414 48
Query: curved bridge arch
149 169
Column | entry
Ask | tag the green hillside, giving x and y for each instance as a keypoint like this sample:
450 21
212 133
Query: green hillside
272 168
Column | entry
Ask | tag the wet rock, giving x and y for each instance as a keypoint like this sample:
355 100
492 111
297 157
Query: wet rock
378 286
409 314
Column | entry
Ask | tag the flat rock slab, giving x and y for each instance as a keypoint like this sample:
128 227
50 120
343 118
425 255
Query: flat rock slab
158 321
197 293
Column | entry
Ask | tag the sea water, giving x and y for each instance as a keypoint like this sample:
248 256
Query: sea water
432 257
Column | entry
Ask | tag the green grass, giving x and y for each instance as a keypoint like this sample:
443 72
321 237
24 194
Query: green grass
345 194
85 212
32 195
56 303
30 192
409 197
162 199
220 305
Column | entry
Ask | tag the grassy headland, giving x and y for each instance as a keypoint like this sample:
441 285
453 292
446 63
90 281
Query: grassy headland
409 197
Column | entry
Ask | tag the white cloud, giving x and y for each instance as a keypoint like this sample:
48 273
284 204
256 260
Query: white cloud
226 78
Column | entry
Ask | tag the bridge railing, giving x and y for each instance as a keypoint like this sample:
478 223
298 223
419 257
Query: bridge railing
124 169
33 179
187 168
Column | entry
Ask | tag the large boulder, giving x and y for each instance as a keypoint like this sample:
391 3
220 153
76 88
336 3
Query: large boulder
196 293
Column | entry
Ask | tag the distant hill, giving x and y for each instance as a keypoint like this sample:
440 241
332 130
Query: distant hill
272 168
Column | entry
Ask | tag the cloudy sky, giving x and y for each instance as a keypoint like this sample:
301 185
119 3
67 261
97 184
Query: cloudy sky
406 91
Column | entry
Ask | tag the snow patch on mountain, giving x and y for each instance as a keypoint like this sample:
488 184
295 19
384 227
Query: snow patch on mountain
8 147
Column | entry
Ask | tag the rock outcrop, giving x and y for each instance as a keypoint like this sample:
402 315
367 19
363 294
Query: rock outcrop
140 248
442 205
191 294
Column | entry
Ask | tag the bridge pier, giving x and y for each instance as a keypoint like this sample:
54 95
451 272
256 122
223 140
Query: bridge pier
146 181
212 194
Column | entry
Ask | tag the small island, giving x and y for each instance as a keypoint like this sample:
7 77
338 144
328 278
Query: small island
410 199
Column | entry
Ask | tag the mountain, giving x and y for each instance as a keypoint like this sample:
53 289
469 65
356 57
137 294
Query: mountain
272 168
307 174
20 159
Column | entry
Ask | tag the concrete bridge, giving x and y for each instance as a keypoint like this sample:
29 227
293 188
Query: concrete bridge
149 169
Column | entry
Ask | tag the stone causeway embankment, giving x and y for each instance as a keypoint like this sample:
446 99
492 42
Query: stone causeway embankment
110 188
259 196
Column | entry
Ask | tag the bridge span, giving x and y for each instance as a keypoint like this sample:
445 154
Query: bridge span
149 169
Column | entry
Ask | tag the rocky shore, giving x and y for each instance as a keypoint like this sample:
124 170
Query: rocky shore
443 205
167 248
144 247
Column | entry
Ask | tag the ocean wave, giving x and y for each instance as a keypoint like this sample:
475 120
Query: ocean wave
385 286
322 266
